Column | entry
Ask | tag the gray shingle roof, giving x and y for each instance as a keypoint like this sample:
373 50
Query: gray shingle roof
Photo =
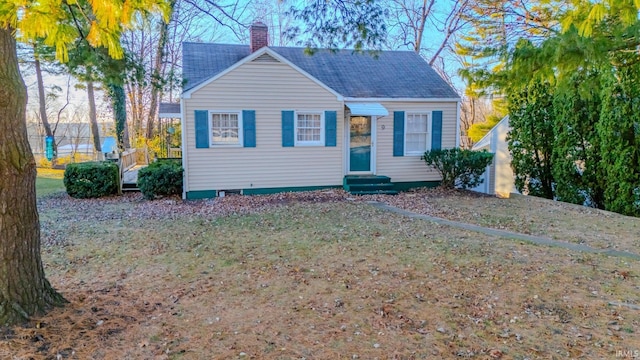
169 108
393 74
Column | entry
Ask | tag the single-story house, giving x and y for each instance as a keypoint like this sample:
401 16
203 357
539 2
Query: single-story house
260 119
499 177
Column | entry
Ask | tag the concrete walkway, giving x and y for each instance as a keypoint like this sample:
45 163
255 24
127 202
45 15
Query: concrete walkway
507 234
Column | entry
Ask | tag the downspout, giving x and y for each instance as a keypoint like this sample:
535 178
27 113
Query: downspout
345 142
183 146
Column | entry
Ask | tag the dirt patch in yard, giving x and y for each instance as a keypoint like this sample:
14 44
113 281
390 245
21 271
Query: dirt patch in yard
322 275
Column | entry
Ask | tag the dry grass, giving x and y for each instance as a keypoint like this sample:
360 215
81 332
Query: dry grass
50 173
314 276
530 215
49 181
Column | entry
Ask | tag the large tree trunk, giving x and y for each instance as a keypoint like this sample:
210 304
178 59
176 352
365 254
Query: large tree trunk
156 76
43 103
118 102
24 290
41 96
93 116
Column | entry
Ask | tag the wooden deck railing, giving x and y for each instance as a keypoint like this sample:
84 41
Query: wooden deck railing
175 153
130 158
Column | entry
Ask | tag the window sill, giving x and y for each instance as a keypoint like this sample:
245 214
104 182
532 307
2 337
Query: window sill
224 145
303 144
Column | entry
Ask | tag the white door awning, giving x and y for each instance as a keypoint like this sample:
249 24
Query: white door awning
367 109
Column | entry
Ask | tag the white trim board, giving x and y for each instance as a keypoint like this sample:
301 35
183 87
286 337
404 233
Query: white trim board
170 115
352 99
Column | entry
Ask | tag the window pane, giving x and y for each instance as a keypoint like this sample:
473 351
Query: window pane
308 127
224 128
216 120
416 123
416 133
234 121
416 142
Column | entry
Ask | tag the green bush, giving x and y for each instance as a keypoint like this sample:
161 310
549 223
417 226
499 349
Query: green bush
459 167
91 179
160 178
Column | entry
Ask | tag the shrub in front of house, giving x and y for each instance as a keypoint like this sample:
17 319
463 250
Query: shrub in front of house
459 167
91 179
161 178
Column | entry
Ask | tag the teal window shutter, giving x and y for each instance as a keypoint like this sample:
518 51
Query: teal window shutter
398 133
436 130
249 128
330 118
202 129
287 128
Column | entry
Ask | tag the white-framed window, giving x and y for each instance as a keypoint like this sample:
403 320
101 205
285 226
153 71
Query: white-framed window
309 128
417 138
226 128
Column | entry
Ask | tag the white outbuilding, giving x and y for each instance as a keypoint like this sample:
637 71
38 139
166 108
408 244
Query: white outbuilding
499 177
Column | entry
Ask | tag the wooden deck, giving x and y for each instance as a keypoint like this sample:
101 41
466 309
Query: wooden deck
130 162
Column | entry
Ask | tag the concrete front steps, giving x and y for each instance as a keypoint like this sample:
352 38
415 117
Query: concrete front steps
368 185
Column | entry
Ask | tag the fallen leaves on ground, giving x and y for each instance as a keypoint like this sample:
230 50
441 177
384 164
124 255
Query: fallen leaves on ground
322 275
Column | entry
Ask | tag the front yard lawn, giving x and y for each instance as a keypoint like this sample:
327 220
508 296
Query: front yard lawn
322 276
49 181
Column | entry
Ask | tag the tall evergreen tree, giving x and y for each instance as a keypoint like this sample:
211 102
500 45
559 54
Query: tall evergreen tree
531 117
577 155
619 131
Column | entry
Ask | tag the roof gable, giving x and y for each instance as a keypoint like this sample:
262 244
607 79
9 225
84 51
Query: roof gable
202 61
393 74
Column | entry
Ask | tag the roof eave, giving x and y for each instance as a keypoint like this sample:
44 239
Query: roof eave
387 99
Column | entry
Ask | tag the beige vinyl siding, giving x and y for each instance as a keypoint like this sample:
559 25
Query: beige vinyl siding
411 168
268 88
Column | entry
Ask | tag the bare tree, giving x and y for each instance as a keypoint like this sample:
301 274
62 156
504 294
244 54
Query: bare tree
450 25
156 76
76 130
227 13
413 23
154 50
93 116
430 28
274 14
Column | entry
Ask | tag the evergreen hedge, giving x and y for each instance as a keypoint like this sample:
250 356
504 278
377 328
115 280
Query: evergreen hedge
91 179
161 178
459 167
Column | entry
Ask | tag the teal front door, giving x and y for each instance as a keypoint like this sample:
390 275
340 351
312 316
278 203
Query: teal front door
360 143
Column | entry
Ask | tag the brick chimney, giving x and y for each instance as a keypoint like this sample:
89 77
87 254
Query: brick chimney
259 34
